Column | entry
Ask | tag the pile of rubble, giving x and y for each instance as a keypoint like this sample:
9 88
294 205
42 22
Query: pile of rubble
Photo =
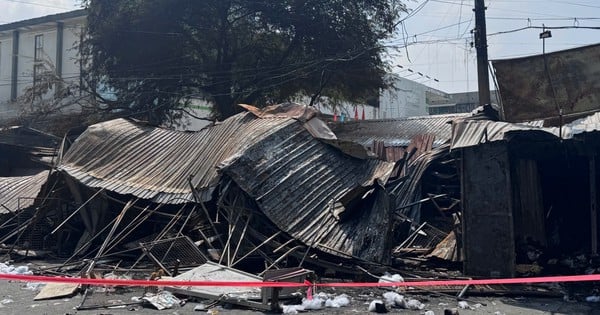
261 195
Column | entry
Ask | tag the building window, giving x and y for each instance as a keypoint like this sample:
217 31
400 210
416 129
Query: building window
39 47
38 66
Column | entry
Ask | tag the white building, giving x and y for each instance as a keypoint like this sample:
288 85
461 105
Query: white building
31 47
406 99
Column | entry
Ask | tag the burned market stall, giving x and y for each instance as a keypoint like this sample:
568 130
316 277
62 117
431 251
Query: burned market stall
26 151
529 196
424 186
26 158
273 185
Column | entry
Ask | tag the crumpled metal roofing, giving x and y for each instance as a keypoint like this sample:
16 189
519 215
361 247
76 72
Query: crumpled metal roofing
297 180
18 192
40 146
159 164
396 132
466 133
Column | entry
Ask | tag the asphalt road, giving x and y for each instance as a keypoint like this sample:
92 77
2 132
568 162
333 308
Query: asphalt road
15 298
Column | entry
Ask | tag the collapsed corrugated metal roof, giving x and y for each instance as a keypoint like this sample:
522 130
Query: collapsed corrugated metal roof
19 192
299 182
159 164
396 132
303 184
466 133
38 145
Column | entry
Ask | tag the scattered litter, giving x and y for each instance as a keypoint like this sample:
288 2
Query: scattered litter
499 313
315 304
162 300
338 301
377 306
478 305
200 307
464 305
387 277
292 309
322 295
451 311
14 270
6 301
413 304
394 299
429 313
593 299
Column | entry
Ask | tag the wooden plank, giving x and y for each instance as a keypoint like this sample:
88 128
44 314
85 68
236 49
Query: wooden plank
56 290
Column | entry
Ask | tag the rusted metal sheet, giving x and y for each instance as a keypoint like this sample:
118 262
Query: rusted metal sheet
537 87
396 132
488 233
407 192
159 164
285 110
19 192
297 181
19 143
467 132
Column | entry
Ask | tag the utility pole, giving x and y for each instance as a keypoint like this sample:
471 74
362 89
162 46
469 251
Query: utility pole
482 56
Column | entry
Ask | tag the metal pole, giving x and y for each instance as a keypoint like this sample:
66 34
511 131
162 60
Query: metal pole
593 213
482 56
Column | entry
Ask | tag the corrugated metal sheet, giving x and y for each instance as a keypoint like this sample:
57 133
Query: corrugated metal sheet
536 87
467 133
158 164
587 124
19 192
396 132
297 180
40 146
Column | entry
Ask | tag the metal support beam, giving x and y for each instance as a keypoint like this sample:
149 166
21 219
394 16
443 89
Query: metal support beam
593 210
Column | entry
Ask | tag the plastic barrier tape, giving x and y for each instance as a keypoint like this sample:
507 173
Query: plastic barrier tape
125 282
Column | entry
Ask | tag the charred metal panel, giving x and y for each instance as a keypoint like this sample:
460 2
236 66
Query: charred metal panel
528 205
537 87
160 164
297 181
396 132
19 192
488 238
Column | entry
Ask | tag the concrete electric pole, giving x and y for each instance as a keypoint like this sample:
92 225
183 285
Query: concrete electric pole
482 56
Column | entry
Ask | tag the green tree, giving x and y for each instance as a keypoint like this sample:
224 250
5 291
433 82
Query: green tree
156 54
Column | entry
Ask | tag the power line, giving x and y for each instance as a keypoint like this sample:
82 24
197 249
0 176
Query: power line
547 27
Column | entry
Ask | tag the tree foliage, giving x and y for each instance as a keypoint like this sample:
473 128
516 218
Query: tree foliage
156 54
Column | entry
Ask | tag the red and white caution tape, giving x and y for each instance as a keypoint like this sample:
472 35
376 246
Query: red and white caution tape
145 283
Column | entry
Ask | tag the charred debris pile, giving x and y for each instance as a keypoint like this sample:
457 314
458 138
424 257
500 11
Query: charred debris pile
278 193
262 190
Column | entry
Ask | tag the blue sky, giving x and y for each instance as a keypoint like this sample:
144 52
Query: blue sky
434 39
